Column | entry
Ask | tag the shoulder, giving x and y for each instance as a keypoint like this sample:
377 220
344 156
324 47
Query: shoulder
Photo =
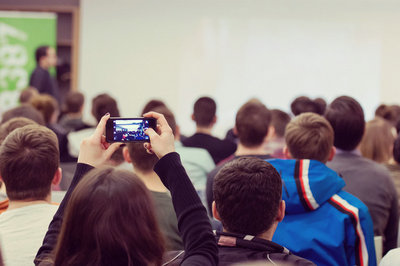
391 258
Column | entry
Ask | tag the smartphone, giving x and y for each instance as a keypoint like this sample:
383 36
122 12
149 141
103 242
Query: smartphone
120 129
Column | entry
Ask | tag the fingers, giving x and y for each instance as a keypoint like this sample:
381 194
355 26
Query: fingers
151 133
98 133
111 149
160 119
147 146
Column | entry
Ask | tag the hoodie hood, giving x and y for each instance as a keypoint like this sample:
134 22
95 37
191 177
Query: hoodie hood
307 184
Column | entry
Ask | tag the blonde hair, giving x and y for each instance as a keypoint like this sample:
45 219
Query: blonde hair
377 142
309 136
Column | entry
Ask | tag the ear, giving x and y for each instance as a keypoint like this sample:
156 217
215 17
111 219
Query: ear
332 153
281 211
286 152
125 153
235 130
214 120
57 177
215 212
177 132
192 116
271 133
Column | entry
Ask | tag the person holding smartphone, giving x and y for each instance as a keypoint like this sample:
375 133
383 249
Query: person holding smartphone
194 226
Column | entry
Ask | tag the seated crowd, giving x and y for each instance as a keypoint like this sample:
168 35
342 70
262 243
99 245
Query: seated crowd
319 186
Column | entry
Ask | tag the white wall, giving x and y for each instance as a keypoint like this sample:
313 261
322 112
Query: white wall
234 50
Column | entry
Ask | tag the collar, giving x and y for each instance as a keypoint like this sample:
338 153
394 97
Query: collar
226 239
354 152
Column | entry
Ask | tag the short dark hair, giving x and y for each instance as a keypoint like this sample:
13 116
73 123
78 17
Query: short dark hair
252 123
279 120
12 124
169 116
29 158
304 104
74 102
141 160
24 110
41 51
396 150
391 113
247 193
102 104
46 104
346 116
152 104
27 94
204 111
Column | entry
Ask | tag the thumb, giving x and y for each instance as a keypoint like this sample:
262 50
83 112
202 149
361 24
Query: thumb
111 149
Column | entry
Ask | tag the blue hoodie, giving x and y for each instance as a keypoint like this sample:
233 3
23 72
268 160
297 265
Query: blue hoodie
322 223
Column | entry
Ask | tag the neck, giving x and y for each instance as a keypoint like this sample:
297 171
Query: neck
243 150
15 204
74 115
44 66
204 130
152 181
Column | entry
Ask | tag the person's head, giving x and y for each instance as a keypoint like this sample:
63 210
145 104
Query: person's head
103 103
152 104
396 150
46 56
47 105
321 103
29 160
248 196
25 110
110 220
378 139
142 161
252 124
346 117
10 125
204 112
390 113
74 102
279 121
27 94
304 104
309 136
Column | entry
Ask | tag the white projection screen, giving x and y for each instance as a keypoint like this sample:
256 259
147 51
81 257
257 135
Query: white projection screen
235 50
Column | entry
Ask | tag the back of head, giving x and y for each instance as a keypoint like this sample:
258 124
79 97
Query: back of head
152 104
74 102
204 111
309 136
109 220
247 193
390 113
102 104
29 158
169 116
378 139
304 104
10 125
25 110
41 51
27 94
252 123
396 150
279 120
141 160
346 117
45 104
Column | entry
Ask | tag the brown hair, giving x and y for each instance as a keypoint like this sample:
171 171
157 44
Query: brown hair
252 123
247 193
10 125
29 158
279 120
141 160
74 102
25 110
152 105
309 136
102 104
45 104
377 142
27 94
110 220
204 111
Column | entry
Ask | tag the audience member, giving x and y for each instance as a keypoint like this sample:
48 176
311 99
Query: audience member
276 133
124 231
27 94
323 223
391 258
25 110
377 142
204 114
197 162
153 104
72 118
365 179
40 79
143 164
252 125
394 167
29 160
304 104
48 106
390 113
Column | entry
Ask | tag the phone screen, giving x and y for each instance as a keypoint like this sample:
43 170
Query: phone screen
128 129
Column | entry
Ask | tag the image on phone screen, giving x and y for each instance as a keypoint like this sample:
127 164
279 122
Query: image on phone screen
130 130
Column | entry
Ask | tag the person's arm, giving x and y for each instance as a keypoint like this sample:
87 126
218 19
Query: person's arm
392 226
193 223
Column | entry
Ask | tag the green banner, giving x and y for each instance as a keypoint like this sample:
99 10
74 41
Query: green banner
20 34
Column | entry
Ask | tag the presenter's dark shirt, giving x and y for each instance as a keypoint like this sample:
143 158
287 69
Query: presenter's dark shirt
218 149
44 83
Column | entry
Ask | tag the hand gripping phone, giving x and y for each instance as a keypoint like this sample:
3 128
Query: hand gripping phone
120 129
